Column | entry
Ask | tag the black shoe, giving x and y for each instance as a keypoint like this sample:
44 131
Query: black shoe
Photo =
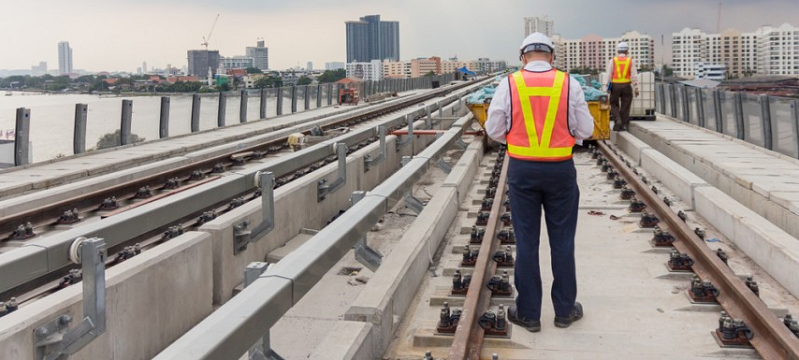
616 127
530 325
576 314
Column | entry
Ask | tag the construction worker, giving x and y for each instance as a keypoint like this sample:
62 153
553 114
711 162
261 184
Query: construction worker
541 113
623 79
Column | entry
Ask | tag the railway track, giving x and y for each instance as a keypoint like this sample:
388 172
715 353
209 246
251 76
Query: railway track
745 322
98 213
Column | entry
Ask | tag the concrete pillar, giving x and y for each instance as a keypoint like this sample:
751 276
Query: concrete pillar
79 136
293 99
163 128
220 114
318 96
306 97
195 112
22 137
243 107
279 109
262 114
765 111
127 120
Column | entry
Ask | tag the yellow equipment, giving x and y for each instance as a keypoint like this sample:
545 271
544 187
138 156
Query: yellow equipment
480 112
600 111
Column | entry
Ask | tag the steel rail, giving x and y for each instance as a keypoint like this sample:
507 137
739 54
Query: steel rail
42 256
772 340
468 341
49 214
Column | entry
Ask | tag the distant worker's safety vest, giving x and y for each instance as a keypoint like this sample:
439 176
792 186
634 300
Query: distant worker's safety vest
540 116
621 71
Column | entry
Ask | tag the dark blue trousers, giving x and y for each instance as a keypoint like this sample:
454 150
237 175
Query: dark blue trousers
553 187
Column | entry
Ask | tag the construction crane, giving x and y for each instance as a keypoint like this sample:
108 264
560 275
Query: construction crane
208 38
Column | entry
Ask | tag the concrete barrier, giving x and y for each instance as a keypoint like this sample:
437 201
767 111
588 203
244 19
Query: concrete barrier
391 291
347 340
630 145
770 247
675 177
143 315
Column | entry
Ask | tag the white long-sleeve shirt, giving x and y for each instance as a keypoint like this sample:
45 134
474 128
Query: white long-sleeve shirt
633 70
581 124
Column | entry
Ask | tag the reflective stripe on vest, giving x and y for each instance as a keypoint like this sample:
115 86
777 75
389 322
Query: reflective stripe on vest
534 95
622 73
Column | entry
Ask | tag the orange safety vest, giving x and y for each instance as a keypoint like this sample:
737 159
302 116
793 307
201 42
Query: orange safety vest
621 71
540 116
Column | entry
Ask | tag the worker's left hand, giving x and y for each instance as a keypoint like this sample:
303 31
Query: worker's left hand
637 93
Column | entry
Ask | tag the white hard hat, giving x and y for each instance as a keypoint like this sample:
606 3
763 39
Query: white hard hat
537 42
622 46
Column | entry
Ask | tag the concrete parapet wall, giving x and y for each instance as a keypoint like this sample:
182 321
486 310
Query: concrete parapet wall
143 315
347 340
676 178
770 247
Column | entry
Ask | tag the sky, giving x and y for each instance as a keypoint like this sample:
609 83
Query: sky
118 35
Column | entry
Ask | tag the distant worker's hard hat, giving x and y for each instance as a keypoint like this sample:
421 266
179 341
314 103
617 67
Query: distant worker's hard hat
537 42
622 46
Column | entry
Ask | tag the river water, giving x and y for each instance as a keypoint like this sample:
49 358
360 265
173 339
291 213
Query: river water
53 116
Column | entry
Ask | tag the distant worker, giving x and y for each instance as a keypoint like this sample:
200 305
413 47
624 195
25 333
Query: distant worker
541 113
622 73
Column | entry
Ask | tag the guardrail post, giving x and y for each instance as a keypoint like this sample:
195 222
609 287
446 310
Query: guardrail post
127 120
279 109
195 112
440 110
364 254
243 107
718 109
262 349
330 94
163 127
262 114
22 155
673 102
686 107
293 99
322 187
795 118
738 101
242 236
307 97
79 138
318 96
765 111
221 113
700 107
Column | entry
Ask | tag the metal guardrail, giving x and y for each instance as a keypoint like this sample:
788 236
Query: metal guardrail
767 121
43 256
246 318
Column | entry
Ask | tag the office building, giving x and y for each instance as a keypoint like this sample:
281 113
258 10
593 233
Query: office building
539 24
766 51
64 58
235 62
367 71
260 55
334 65
203 62
422 67
309 66
715 72
372 39
594 52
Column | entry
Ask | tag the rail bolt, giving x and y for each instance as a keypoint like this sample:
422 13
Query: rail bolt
636 206
109 203
506 219
196 175
662 238
722 255
679 261
702 291
752 285
619 183
627 193
477 234
648 220
683 216
172 183
487 204
507 205
144 193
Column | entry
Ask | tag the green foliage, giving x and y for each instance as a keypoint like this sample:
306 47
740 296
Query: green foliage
584 71
268 82
254 70
113 139
180 87
224 87
304 80
431 73
330 76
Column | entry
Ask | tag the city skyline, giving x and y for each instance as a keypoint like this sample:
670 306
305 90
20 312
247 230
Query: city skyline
111 42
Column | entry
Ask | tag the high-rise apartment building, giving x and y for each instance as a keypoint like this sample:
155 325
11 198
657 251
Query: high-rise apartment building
39 70
367 71
766 51
539 24
372 39
260 55
203 62
64 58
594 52
236 62
334 65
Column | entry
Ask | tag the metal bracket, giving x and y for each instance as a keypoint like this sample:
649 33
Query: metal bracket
322 187
444 166
461 144
413 203
368 161
54 340
242 237
262 349
409 140
428 121
364 254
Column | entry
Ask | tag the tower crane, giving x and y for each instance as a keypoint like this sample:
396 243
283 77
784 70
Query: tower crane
208 38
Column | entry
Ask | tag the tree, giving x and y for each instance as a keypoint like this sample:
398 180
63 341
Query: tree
330 76
268 82
304 80
113 139
224 87
254 70
584 71
430 73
